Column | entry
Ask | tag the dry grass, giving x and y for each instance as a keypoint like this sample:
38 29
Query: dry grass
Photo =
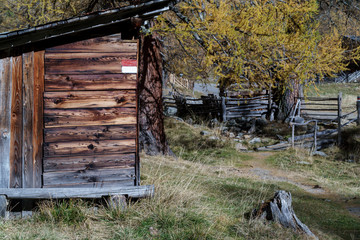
196 197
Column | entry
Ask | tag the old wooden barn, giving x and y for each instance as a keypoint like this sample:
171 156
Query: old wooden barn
68 107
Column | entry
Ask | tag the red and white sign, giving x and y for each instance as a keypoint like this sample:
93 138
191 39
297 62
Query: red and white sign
128 66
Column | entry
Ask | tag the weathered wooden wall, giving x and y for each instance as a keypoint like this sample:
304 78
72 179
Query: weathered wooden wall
21 83
68 116
90 111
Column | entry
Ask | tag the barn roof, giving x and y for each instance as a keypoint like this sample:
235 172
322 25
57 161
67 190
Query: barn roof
94 20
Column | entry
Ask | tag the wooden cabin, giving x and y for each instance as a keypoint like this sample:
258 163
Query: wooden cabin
68 107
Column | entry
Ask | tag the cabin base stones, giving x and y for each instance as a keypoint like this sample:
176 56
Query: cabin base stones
69 108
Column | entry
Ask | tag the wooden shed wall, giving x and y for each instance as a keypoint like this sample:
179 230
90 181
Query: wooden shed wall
68 116
90 128
21 88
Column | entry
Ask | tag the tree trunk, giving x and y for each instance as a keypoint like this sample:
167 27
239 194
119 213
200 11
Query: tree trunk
285 98
151 121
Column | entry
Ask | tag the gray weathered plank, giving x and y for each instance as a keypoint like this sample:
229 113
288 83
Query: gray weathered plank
86 176
5 119
28 105
123 183
79 163
54 193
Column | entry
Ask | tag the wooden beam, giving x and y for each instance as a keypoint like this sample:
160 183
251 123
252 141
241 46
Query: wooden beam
5 119
55 193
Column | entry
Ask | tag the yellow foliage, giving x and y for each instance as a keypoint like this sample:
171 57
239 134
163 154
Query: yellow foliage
260 42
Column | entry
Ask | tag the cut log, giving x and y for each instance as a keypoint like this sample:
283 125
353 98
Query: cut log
279 209
116 202
3 206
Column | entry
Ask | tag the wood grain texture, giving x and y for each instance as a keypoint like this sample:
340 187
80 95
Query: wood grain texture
89 162
92 99
89 147
54 193
27 121
38 117
90 82
5 121
16 124
108 44
88 117
89 63
103 184
103 175
90 133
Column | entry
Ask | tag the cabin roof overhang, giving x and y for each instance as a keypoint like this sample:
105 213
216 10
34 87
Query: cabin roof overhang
92 21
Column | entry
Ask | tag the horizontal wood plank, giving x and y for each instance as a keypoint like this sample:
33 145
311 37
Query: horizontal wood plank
89 63
89 162
88 176
90 82
92 99
89 117
54 193
109 44
104 184
94 133
89 147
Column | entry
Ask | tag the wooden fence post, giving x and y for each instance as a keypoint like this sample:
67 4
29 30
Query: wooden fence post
358 110
223 109
315 136
339 117
292 135
269 102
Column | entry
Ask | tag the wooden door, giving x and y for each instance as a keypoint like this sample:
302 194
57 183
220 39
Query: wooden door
90 113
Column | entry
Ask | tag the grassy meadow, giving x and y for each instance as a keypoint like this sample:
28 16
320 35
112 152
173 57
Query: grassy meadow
206 192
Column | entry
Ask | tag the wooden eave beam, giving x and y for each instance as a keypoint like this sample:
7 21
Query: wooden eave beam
70 26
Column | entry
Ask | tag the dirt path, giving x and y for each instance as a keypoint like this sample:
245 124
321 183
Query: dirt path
260 170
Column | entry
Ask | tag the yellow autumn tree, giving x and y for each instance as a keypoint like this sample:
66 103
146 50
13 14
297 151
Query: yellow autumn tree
260 42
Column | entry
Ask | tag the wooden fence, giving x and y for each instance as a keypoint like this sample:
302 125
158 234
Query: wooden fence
324 109
234 107
224 108
181 82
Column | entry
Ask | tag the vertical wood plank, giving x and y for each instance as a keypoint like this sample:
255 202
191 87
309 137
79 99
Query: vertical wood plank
339 118
5 120
358 110
137 156
16 124
38 117
28 104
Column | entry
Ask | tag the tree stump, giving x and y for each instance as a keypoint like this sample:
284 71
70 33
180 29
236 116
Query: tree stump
279 209
3 206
